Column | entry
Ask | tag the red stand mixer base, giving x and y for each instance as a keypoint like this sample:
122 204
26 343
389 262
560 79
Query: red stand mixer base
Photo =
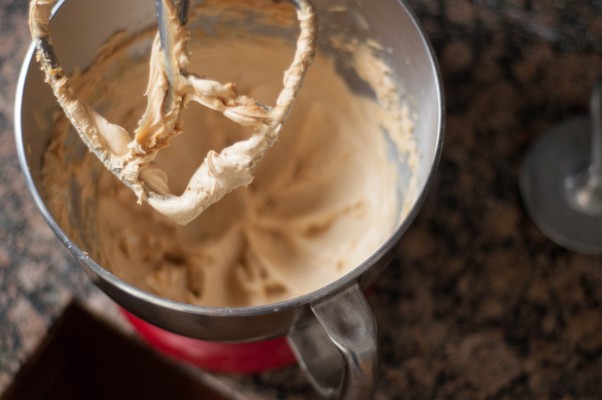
248 357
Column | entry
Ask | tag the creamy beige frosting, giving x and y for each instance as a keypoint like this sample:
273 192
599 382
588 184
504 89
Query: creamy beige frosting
131 157
324 199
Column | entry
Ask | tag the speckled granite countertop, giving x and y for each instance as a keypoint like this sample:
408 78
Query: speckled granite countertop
479 304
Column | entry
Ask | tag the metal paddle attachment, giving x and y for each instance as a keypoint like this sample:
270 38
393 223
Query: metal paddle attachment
130 155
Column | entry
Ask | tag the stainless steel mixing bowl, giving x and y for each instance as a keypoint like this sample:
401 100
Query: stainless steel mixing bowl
338 312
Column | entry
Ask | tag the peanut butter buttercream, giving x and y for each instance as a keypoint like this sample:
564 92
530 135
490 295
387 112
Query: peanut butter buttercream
171 86
324 199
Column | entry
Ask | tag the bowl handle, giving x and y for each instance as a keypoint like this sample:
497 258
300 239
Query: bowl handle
346 370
